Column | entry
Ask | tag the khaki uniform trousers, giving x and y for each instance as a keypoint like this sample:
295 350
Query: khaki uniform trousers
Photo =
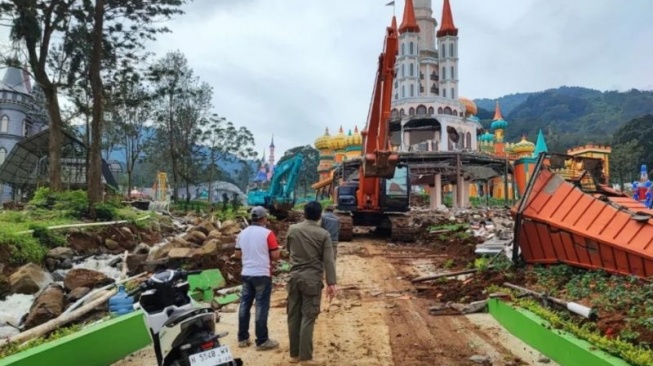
304 296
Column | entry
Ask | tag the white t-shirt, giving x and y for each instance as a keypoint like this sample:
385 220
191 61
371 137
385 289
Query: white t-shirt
256 243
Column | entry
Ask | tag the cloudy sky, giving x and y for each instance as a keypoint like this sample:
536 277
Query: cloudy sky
292 67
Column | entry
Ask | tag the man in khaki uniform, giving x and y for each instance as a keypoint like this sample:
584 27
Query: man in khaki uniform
311 255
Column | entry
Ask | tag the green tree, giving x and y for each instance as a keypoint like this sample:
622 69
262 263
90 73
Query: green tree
308 173
225 143
624 160
181 111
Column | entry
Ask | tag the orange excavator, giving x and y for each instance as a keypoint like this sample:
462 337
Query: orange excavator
379 194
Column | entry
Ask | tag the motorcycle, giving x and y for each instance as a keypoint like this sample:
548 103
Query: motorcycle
182 334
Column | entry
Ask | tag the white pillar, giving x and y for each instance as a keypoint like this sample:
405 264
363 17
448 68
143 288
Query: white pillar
466 186
460 190
406 140
436 192
444 137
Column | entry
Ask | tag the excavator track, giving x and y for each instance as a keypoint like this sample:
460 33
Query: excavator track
403 228
346 227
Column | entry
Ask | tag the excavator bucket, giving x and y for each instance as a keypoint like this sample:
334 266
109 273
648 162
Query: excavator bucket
381 164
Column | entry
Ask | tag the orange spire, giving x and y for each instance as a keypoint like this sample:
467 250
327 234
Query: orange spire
394 23
341 130
355 129
497 113
447 28
409 24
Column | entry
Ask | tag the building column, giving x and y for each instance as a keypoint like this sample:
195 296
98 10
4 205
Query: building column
436 192
406 140
466 186
444 137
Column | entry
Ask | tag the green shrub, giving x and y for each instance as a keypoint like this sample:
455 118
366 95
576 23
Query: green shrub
15 217
47 238
105 212
70 203
23 248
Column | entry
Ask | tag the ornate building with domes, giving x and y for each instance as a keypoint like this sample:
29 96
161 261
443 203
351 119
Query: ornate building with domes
336 149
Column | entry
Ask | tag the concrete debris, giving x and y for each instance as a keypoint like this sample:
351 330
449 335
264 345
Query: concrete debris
544 359
480 359
463 309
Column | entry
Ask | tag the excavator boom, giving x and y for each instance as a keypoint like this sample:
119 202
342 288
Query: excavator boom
378 158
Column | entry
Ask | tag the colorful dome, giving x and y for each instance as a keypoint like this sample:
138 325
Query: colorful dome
470 106
524 146
499 124
354 139
322 142
338 141
487 136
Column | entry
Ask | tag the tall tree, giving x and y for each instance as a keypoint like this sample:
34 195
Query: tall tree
182 106
225 144
131 110
37 27
624 160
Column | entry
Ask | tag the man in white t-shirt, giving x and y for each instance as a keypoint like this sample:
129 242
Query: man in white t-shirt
258 247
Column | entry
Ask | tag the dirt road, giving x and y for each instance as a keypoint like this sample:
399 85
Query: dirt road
377 319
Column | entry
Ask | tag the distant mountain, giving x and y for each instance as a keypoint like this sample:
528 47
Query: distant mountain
568 115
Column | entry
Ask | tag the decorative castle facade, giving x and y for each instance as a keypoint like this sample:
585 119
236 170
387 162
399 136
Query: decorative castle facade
22 114
336 149
427 112
266 168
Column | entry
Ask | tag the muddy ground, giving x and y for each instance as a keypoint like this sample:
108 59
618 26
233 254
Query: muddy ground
380 318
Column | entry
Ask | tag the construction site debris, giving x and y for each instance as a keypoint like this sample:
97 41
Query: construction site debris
573 307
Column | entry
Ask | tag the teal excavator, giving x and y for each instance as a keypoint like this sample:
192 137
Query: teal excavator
280 198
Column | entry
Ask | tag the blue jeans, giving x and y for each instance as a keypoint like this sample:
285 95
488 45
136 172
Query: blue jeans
259 288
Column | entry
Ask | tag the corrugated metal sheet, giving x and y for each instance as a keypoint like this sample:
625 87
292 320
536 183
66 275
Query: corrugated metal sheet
561 223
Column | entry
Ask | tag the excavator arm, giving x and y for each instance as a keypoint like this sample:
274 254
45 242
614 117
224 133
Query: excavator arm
379 161
378 158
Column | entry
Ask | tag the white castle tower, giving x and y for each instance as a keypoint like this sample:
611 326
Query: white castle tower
427 111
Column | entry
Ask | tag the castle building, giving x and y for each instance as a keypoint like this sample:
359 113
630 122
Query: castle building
427 112
22 114
266 168
336 149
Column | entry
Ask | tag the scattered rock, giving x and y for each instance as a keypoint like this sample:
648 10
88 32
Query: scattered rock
127 233
5 287
142 248
543 359
112 245
163 251
214 234
196 237
84 243
29 279
480 359
51 264
61 253
206 227
59 275
78 293
128 244
81 277
210 248
180 253
230 227
66 264
135 262
48 305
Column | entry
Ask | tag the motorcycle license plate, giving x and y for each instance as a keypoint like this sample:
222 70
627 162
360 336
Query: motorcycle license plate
211 357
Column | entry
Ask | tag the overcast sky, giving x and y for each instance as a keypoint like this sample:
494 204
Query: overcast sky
292 67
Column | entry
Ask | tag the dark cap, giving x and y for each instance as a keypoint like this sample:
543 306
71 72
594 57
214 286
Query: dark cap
258 213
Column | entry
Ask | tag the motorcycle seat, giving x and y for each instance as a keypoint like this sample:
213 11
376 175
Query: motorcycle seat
180 315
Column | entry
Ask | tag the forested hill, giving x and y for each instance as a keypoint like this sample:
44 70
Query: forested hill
568 115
